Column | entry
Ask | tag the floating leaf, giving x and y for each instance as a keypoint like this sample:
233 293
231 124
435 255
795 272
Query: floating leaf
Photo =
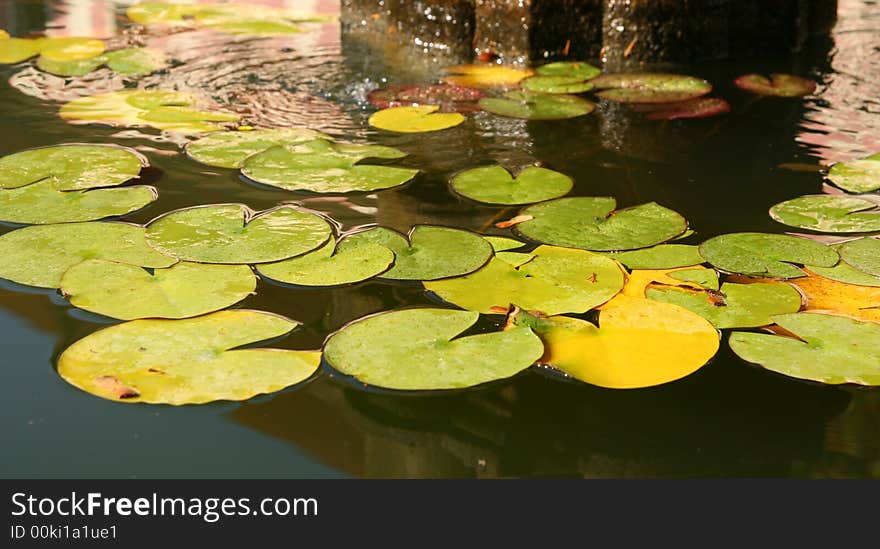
324 167
16 50
495 185
735 305
40 203
824 294
70 48
448 97
230 149
164 110
414 349
3 35
136 61
550 280
863 254
235 234
649 87
186 361
842 272
76 67
562 77
761 254
486 76
429 253
662 256
857 176
779 85
705 278
639 343
638 280
591 223
39 256
127 292
571 69
71 167
323 267
828 349
701 107
502 243
255 27
423 118
537 106
829 214
150 13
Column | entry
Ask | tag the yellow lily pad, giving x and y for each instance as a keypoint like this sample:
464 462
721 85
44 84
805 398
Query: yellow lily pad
422 118
825 294
486 76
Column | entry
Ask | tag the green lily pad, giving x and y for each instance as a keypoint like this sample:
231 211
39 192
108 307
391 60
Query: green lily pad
843 272
650 87
255 26
707 278
188 361
150 13
39 256
71 167
829 214
495 185
735 305
502 243
235 234
550 280
72 67
323 267
230 149
160 109
414 349
537 106
555 84
570 69
183 290
429 253
857 176
16 50
779 85
591 223
863 254
766 255
829 349
661 256
325 167
136 61
40 203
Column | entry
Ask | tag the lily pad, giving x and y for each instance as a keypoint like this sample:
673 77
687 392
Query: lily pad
71 48
495 185
562 77
735 305
324 167
235 234
761 254
705 278
127 292
857 176
843 272
779 85
863 254
550 280
75 67
255 27
591 223
570 69
164 110
485 76
701 107
699 278
16 50
71 167
189 361
826 348
638 343
230 149
428 253
650 87
662 256
40 203
39 256
151 13
136 61
829 214
417 349
537 106
323 267
423 118
503 244
824 294
448 97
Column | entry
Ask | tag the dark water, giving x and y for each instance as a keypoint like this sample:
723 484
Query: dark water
728 419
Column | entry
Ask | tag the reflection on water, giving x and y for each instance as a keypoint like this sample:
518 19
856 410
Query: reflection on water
729 419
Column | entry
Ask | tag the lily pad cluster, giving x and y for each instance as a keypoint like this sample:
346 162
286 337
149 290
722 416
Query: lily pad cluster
230 18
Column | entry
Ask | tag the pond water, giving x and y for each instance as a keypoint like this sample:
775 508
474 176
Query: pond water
727 419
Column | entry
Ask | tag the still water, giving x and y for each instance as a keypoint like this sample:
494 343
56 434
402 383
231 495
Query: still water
728 419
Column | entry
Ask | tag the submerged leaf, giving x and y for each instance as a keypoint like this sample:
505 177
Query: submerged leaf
537 106
779 85
418 119
761 254
701 107
330 266
189 361
829 214
857 176
828 349
591 223
550 280
495 185
448 97
414 349
485 76
235 234
40 203
735 305
230 149
863 254
661 256
650 87
127 292
39 256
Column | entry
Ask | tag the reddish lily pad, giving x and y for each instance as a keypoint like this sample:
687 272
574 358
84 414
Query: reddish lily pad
778 85
639 87
449 97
